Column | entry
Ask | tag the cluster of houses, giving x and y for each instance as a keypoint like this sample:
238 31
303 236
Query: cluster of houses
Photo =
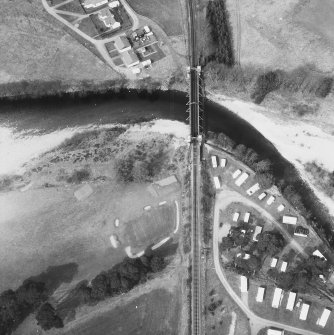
129 57
290 305
257 230
105 15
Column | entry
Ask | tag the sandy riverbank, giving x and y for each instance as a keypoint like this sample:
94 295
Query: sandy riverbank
298 141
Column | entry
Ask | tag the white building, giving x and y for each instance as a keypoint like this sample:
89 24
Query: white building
216 181
291 301
214 161
284 265
262 195
246 217
304 311
270 200
108 19
223 162
324 317
319 254
289 219
243 284
260 294
114 4
94 3
242 179
236 174
301 231
280 208
258 230
253 189
274 261
236 216
278 296
272 331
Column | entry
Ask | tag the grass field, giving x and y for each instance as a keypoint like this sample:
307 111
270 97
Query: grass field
36 47
167 14
88 27
151 227
73 6
153 313
219 322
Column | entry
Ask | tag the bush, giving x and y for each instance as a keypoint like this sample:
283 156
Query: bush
265 180
79 176
47 317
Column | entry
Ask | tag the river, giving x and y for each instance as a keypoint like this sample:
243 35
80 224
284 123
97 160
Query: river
48 115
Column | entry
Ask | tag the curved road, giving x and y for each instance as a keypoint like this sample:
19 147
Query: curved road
223 199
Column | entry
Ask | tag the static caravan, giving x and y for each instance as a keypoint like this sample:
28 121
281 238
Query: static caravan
280 208
223 162
236 174
242 179
260 294
236 216
216 181
262 195
243 284
304 311
257 231
289 219
291 301
253 189
278 296
270 200
324 317
214 161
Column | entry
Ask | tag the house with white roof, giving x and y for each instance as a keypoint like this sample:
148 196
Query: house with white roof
243 284
304 311
289 219
291 301
322 321
277 298
94 3
260 293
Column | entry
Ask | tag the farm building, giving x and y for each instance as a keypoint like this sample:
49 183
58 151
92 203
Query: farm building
122 43
274 261
277 298
319 254
130 58
304 311
242 179
166 181
301 231
289 219
114 4
214 161
223 162
258 230
236 174
260 293
262 195
216 181
83 192
246 217
243 284
272 331
94 3
253 189
322 321
108 19
291 301
270 200
280 208
284 266
236 216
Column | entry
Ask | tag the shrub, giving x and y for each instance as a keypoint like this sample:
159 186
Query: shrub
47 317
79 176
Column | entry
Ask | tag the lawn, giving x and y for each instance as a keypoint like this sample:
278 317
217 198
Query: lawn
88 27
55 2
69 18
151 227
73 6
153 313
218 322
167 14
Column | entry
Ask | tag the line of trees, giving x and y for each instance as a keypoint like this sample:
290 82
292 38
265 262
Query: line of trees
218 19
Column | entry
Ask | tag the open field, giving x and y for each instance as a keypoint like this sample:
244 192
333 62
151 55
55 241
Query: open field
219 321
151 227
153 313
46 225
167 15
74 6
35 47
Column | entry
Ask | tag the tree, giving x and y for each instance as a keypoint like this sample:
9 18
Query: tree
10 311
157 264
100 286
266 180
47 317
240 151
270 243
31 293
263 166
250 157
227 243
140 172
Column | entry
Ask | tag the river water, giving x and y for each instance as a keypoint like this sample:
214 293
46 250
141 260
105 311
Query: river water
49 120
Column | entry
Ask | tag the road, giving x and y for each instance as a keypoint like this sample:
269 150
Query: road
223 199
